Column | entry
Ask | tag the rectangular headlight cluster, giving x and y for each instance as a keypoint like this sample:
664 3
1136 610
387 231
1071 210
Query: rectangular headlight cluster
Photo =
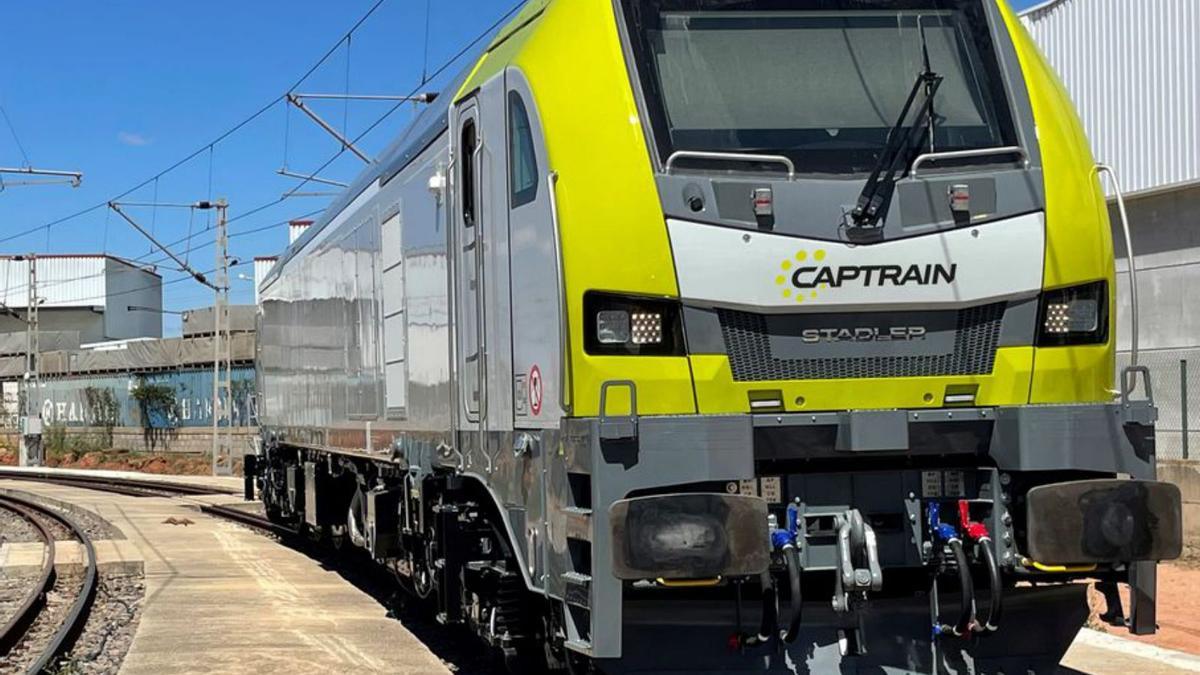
1074 316
624 325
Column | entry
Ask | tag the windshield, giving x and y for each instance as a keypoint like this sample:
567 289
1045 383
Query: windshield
818 81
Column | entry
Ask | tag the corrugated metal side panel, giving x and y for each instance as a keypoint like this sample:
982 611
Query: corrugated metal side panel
1132 70
63 281
262 267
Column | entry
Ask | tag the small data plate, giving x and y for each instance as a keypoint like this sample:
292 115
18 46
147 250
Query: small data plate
748 488
771 488
955 484
931 484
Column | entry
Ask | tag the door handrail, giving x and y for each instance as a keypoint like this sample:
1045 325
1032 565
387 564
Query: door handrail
1132 268
564 320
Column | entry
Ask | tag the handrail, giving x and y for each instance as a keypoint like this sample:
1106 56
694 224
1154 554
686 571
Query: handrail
732 157
564 321
1129 256
969 154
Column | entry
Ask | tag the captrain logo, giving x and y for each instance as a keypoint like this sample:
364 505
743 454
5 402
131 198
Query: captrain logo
805 276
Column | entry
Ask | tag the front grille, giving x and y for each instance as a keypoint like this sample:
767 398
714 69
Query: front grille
747 342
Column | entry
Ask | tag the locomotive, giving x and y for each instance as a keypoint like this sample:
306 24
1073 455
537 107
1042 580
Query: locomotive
707 336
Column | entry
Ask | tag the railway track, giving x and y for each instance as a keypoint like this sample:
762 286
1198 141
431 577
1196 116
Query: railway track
18 628
247 518
131 487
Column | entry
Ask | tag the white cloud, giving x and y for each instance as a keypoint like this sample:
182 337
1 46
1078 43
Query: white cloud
133 138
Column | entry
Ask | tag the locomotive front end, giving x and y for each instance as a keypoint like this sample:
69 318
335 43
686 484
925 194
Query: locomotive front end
877 396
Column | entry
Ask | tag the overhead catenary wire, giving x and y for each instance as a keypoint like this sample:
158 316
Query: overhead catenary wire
235 235
258 209
218 139
143 259
17 139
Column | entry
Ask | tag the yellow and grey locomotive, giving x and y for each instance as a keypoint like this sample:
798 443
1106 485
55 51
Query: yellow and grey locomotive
727 335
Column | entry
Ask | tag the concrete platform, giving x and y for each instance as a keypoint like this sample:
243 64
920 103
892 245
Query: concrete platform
221 598
117 557
1102 654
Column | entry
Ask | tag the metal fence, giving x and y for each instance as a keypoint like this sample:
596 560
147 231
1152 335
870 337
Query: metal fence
1175 376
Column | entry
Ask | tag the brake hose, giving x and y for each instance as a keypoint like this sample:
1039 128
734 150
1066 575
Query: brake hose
770 614
966 617
996 589
797 601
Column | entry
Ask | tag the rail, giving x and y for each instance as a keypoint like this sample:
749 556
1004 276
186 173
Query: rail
131 487
71 626
16 627
969 154
245 518
732 157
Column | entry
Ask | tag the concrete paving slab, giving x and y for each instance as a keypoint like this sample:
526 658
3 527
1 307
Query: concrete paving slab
117 557
1098 653
221 598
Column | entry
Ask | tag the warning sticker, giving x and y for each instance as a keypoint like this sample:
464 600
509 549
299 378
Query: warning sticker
955 484
535 391
748 488
931 484
772 489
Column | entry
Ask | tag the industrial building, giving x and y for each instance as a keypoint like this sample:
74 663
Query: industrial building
1133 71
90 296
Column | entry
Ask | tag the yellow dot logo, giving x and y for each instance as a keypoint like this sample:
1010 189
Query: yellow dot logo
794 290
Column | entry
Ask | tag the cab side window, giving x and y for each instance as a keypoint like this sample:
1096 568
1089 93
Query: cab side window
469 143
522 158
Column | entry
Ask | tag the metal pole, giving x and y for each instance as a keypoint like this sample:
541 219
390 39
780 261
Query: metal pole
313 178
1183 404
183 266
75 176
295 100
31 427
427 97
222 463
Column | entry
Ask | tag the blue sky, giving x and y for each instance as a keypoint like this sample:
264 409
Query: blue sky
125 88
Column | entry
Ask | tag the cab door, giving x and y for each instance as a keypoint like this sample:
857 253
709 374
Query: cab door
467 240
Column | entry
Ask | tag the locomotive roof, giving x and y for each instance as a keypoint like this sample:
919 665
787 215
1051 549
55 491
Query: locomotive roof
431 123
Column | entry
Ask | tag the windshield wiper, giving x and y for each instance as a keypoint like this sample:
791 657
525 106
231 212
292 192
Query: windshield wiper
905 139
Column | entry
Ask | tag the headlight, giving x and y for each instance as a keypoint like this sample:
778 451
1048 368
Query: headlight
632 326
1074 316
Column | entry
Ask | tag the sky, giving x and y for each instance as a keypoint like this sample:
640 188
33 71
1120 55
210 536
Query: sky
123 89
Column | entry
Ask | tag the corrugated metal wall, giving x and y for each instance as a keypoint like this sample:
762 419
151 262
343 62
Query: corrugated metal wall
63 281
262 267
1132 68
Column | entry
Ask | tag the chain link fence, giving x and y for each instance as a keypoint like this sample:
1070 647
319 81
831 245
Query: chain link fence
1175 377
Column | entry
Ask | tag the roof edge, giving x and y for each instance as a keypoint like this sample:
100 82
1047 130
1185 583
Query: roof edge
1041 6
